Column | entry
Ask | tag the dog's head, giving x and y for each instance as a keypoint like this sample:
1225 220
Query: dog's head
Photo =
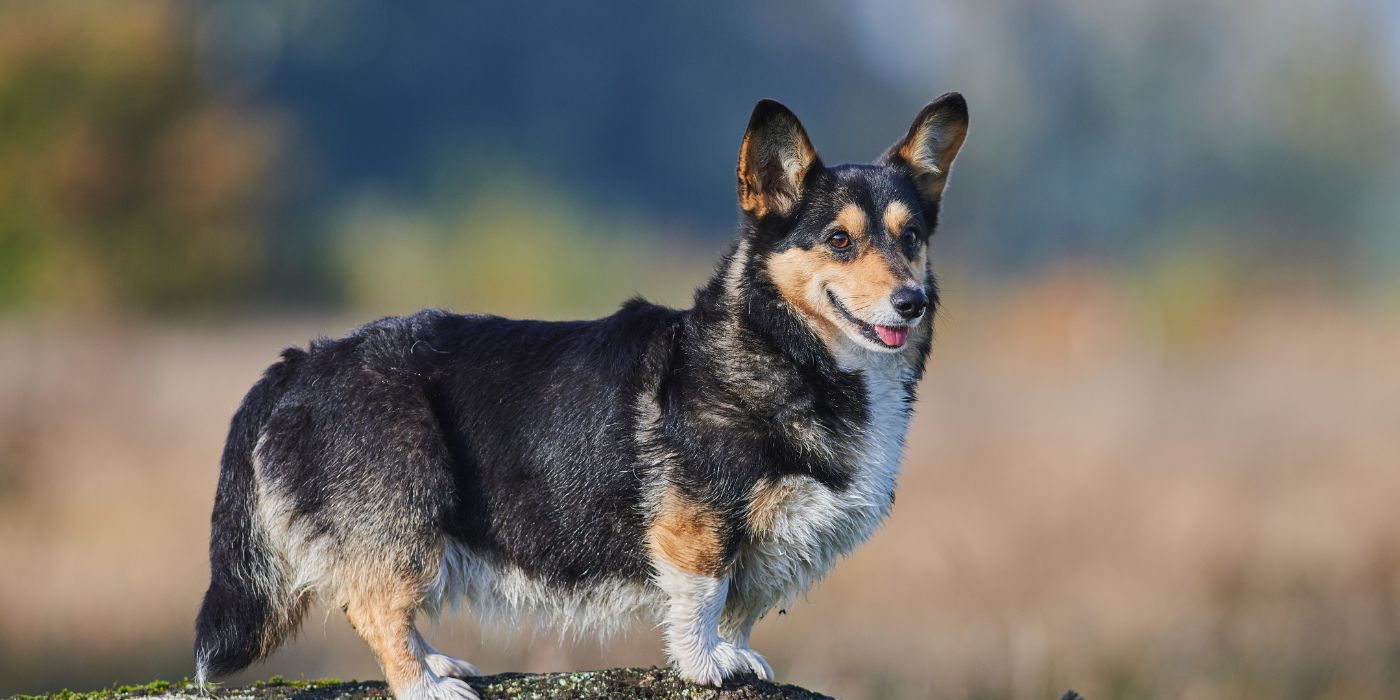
847 246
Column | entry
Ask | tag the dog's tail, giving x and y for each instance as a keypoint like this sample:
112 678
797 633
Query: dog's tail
249 608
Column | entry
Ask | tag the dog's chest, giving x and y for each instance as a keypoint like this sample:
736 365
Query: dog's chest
802 526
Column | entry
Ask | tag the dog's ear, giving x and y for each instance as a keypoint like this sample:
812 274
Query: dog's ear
932 143
775 158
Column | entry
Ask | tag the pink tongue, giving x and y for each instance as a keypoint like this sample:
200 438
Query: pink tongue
893 337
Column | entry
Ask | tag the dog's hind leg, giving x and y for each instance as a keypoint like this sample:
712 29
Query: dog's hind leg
445 665
383 612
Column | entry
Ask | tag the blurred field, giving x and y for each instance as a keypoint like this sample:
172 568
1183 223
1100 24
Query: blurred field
1101 493
1158 450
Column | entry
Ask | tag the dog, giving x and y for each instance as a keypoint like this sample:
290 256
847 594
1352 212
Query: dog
703 466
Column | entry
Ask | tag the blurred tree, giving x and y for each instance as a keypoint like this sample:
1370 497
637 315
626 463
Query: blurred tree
125 182
1107 130
1102 129
632 106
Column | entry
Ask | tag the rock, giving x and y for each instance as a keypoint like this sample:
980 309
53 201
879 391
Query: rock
610 684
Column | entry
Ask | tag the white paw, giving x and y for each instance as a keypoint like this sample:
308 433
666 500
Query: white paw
452 667
722 662
756 663
434 687
701 669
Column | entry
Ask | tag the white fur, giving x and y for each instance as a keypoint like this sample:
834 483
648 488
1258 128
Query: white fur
882 314
734 273
442 664
434 684
815 525
688 606
435 687
505 594
307 561
450 666
693 609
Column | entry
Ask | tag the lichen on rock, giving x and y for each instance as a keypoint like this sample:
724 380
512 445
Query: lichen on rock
610 684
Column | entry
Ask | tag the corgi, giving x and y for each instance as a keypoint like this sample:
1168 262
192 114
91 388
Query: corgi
700 467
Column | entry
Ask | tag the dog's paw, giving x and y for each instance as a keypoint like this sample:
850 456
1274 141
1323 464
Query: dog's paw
756 663
453 689
701 670
452 667
722 662
435 687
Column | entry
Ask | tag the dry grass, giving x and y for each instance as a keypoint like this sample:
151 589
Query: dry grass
1093 498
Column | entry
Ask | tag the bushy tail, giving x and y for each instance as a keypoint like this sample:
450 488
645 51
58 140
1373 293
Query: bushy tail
248 609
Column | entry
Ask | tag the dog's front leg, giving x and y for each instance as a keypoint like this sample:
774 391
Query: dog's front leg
694 606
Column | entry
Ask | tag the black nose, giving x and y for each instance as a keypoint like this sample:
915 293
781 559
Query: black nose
909 302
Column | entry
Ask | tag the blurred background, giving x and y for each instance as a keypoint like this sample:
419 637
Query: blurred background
1158 451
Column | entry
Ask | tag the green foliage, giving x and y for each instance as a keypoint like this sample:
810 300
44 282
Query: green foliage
121 692
513 247
124 181
130 179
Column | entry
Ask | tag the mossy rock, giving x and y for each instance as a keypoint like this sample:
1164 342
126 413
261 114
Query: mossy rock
610 684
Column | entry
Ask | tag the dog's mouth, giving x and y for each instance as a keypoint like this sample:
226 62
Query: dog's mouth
888 336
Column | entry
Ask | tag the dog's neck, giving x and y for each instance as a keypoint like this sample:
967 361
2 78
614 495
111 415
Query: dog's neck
740 305
745 341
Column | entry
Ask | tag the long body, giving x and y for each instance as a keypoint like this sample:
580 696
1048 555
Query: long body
699 466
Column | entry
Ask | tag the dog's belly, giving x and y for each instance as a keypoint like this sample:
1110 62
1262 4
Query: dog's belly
506 594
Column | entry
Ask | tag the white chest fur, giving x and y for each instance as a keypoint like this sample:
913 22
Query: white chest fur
808 526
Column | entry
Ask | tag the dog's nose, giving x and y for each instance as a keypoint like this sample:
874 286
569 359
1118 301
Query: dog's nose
909 302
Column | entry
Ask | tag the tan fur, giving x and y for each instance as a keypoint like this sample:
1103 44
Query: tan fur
761 200
865 281
896 217
869 279
793 272
687 535
932 167
766 499
852 220
382 613
750 193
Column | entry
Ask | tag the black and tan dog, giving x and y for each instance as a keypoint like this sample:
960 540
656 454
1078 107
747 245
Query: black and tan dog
704 466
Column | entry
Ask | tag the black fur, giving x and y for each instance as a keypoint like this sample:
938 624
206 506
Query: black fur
523 441
235 617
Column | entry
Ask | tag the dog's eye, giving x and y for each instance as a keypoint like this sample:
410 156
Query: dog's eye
909 237
839 240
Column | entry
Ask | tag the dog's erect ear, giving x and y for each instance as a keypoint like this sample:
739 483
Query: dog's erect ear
773 161
932 143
